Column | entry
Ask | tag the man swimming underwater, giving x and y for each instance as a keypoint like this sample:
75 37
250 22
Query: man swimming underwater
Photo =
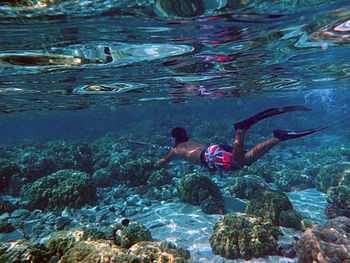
225 157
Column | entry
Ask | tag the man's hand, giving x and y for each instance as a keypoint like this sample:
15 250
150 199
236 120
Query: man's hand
165 159
158 164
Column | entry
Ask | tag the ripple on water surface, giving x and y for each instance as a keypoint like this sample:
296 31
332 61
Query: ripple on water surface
95 54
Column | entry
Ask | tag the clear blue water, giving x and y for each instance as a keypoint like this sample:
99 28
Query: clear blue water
78 70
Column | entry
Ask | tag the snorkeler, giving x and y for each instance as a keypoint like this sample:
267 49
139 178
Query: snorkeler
225 157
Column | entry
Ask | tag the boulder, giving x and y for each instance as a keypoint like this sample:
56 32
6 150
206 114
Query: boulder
159 178
338 199
245 187
276 207
243 236
94 251
162 252
333 175
22 251
65 188
8 170
200 190
328 243
128 234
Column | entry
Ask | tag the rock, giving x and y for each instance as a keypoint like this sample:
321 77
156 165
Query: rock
4 216
58 190
6 206
137 171
245 187
20 213
329 243
8 170
59 242
34 164
62 222
42 160
103 178
290 180
333 175
126 236
276 207
242 236
94 251
338 199
133 200
22 251
200 190
162 252
159 178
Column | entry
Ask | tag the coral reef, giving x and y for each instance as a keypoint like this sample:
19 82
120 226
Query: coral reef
274 206
6 206
329 243
65 188
332 175
246 187
94 251
200 190
338 199
103 178
60 176
159 178
128 235
162 252
22 251
136 171
87 246
290 179
8 170
243 236
36 161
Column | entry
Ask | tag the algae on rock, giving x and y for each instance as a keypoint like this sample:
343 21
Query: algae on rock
200 190
243 236
276 207
126 236
65 188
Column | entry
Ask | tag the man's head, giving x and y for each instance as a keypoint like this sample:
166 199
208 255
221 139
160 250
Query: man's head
179 134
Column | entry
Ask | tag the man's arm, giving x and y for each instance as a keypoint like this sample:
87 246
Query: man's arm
167 158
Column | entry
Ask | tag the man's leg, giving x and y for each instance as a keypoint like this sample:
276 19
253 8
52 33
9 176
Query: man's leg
238 148
259 150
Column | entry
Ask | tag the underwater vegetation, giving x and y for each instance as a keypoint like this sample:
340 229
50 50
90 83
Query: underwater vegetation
200 190
79 245
243 236
139 67
61 185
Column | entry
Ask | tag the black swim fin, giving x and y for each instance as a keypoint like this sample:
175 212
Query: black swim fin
289 134
247 123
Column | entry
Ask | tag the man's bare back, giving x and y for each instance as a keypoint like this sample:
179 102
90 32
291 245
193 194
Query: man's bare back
189 150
